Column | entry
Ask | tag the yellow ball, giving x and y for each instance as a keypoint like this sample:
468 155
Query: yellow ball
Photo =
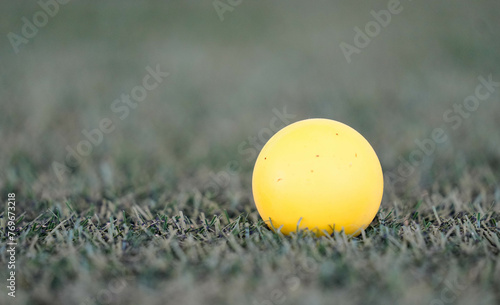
318 174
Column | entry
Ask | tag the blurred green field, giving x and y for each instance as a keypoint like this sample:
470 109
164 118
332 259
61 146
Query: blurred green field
146 211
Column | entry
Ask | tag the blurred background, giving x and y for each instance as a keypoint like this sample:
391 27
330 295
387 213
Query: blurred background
229 67
235 67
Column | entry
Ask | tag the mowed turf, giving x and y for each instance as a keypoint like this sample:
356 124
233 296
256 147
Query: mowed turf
156 246
161 211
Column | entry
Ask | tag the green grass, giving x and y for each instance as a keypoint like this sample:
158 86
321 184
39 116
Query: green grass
128 250
138 223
